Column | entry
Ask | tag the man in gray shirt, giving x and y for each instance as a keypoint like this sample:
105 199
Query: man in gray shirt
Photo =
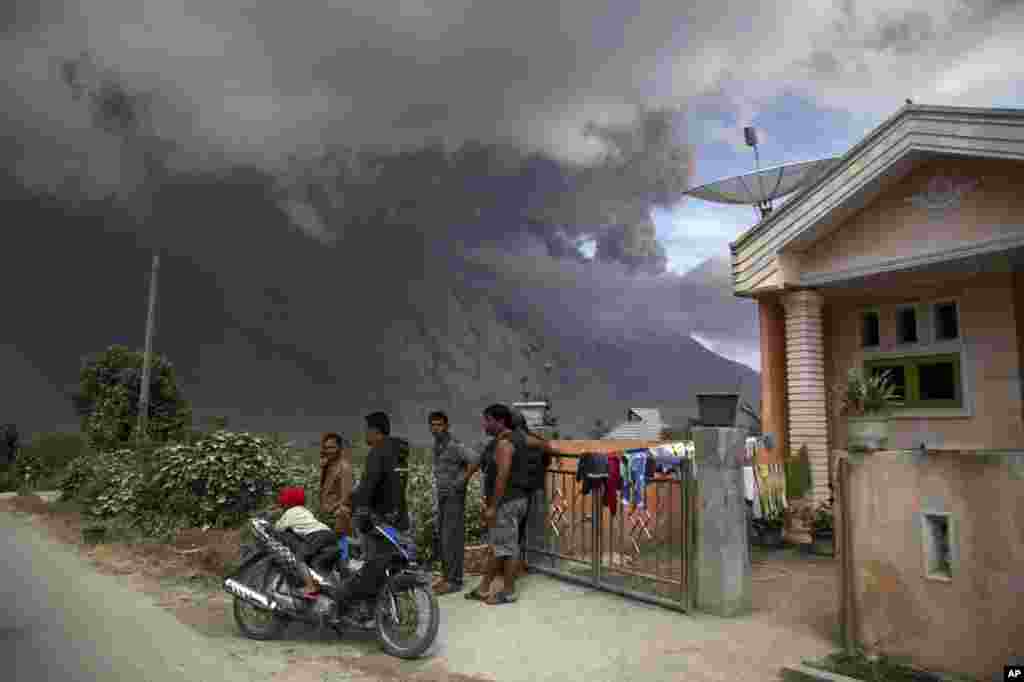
454 464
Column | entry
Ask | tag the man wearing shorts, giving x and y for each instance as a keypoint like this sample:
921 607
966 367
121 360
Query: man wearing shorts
504 510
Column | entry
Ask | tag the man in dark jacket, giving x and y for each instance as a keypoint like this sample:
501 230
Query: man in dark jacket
379 498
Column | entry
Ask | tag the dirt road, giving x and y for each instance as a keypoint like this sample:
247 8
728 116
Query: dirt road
154 604
63 620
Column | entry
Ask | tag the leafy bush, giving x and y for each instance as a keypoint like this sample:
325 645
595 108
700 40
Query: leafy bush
798 474
29 470
217 481
108 399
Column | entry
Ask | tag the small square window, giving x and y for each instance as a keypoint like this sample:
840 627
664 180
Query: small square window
938 547
870 335
907 318
947 322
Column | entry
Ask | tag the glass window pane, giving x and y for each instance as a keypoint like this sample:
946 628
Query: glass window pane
937 381
947 326
908 325
869 329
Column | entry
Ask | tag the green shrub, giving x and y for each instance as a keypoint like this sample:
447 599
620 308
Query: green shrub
28 470
216 481
798 474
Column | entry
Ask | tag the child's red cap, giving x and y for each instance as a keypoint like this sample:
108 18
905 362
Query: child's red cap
291 497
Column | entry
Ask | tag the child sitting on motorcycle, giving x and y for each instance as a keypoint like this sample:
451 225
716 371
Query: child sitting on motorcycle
315 535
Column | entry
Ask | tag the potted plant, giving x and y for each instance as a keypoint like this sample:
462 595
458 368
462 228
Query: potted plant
823 530
865 402
769 527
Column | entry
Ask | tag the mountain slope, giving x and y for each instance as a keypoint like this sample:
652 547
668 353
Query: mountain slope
278 332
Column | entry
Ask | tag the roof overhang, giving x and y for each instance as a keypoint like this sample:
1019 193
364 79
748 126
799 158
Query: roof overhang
763 259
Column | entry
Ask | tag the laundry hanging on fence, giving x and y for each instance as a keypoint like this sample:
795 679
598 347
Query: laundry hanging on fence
636 466
611 489
590 467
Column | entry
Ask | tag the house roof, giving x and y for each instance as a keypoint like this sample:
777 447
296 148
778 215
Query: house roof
648 428
914 134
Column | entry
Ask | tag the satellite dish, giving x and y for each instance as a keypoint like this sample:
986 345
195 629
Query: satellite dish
762 187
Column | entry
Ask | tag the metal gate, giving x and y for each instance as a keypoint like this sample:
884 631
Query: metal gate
643 551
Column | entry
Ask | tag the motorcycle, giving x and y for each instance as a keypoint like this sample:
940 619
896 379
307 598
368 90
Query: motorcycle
265 601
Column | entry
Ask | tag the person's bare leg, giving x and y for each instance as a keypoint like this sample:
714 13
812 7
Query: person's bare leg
493 570
512 569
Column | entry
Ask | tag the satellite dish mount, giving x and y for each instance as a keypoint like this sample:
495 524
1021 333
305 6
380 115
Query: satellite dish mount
764 204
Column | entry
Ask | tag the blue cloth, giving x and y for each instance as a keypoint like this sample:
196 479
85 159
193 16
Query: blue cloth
637 476
343 548
667 462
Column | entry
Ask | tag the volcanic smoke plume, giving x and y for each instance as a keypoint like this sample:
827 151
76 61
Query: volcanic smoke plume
410 181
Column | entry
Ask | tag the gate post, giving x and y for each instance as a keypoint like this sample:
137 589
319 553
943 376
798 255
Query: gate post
722 538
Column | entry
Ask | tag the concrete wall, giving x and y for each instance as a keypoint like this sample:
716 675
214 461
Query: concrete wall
991 357
892 227
972 623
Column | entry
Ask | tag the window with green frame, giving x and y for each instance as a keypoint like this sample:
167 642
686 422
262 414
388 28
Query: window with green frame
923 380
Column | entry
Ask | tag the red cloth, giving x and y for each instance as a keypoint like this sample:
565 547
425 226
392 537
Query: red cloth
611 490
292 497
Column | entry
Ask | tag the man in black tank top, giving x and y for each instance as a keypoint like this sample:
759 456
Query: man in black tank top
505 509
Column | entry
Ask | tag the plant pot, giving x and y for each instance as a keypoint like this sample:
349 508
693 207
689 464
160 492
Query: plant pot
768 536
867 433
717 409
94 535
824 543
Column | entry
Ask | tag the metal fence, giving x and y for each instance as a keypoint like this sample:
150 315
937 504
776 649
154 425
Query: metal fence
642 549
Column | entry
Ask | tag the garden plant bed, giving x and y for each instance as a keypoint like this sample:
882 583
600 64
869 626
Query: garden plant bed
857 666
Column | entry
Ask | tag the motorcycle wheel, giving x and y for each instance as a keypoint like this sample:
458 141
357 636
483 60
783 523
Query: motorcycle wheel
407 621
254 622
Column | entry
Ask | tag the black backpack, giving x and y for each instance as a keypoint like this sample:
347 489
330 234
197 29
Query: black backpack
529 465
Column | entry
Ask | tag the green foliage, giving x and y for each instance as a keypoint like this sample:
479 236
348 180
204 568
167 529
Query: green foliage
217 481
108 397
773 508
882 668
862 396
823 517
28 470
798 474
55 451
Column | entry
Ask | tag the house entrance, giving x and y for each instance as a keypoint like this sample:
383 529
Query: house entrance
641 548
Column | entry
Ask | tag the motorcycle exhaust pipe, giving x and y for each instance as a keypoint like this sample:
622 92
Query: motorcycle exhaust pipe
232 586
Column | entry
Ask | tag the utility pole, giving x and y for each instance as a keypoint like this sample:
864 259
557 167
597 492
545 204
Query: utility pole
147 355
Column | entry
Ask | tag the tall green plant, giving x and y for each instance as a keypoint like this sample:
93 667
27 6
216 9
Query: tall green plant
108 398
798 473
861 396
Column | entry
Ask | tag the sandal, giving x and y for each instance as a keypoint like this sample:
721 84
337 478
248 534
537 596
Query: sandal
501 597
474 595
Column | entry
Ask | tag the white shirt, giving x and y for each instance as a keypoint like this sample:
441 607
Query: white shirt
300 520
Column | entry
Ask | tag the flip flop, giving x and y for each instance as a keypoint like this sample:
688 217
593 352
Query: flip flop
502 597
474 595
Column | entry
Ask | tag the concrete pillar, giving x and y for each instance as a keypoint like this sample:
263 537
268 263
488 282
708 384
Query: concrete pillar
773 380
806 393
722 543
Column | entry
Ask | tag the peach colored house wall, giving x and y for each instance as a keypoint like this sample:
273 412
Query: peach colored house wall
991 359
892 227
972 624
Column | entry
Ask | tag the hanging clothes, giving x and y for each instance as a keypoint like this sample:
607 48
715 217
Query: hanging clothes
649 466
589 468
626 476
611 488
637 464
